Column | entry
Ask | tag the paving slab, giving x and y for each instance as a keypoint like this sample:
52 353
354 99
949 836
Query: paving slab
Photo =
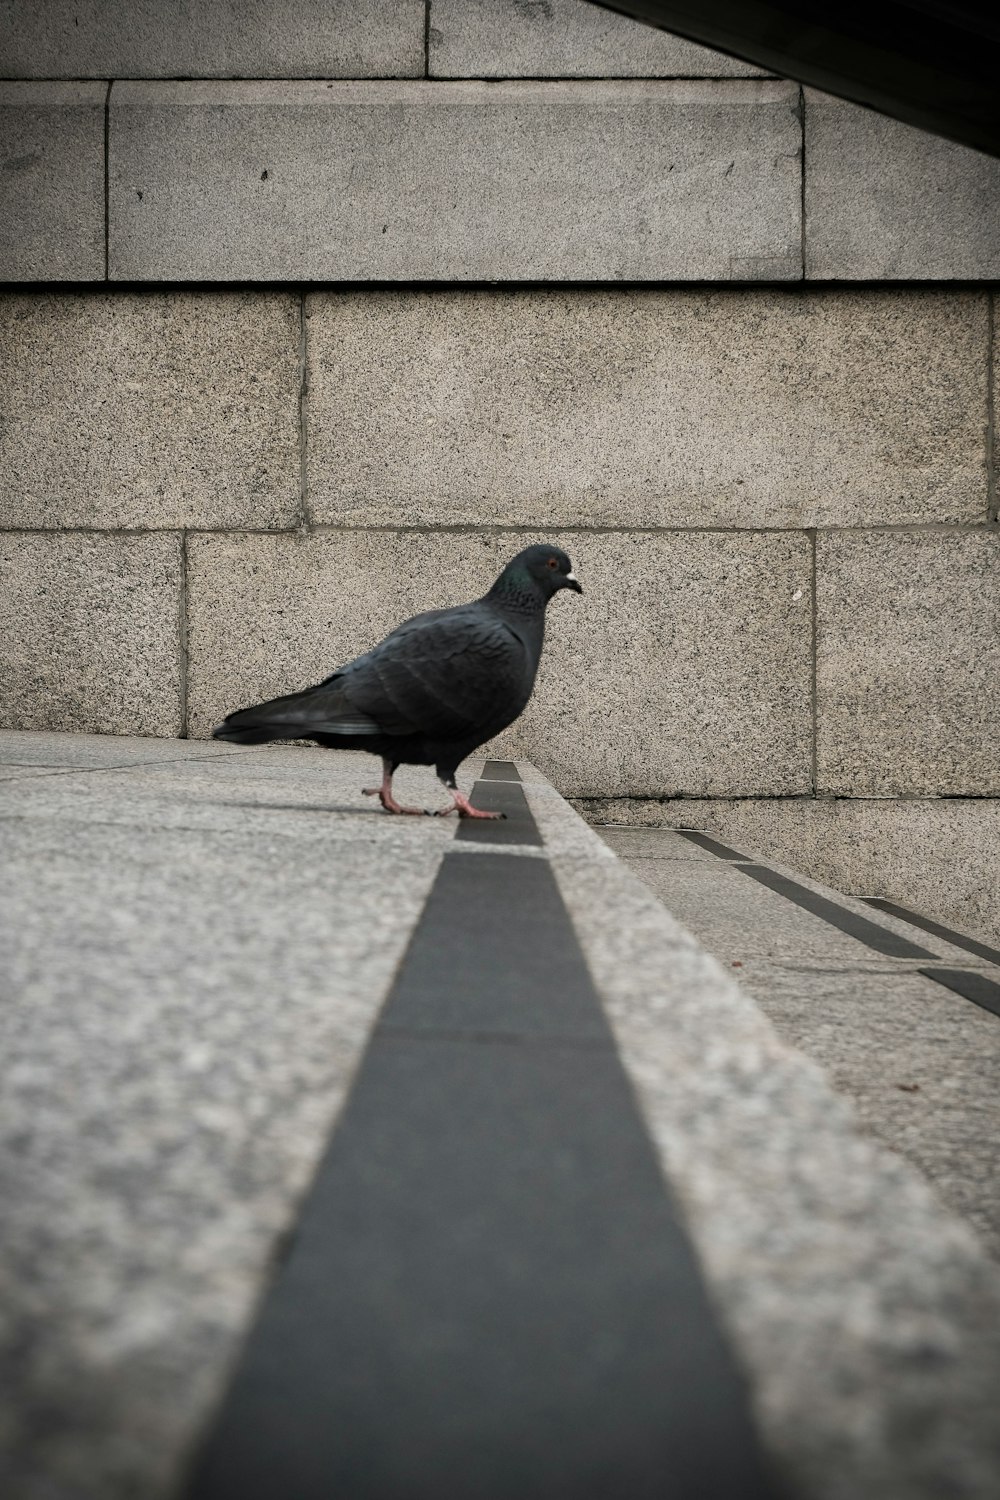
192 993
79 752
744 919
919 1061
173 39
207 792
560 181
940 856
828 1271
186 1007
52 181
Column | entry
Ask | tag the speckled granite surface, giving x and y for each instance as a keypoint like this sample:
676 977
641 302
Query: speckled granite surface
196 942
919 1062
868 1317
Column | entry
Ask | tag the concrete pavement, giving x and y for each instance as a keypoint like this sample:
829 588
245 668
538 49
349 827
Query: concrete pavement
198 941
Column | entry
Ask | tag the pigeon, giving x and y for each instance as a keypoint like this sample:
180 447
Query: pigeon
438 687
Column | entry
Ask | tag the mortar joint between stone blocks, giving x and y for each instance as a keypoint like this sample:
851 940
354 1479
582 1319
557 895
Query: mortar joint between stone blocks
302 524
992 496
107 180
182 640
802 180
814 669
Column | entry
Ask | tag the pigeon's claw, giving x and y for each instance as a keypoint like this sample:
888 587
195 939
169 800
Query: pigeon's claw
390 804
384 794
465 809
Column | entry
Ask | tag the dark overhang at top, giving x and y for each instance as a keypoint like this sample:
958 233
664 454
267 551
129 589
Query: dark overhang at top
932 64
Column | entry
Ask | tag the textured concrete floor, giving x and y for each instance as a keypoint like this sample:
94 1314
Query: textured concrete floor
197 939
196 942
920 1063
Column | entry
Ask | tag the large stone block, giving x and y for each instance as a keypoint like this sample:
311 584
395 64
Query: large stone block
562 39
52 181
455 181
645 408
940 856
150 411
908 662
213 38
684 667
884 201
90 626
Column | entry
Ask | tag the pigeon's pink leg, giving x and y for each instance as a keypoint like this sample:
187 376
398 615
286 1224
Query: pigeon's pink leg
465 809
384 793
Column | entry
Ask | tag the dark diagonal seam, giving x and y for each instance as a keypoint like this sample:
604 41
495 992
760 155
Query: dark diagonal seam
957 939
712 845
978 988
869 933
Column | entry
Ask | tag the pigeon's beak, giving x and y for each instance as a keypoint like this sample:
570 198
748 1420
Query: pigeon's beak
570 581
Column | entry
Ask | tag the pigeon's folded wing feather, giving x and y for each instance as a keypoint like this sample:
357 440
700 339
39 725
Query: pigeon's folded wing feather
325 709
443 674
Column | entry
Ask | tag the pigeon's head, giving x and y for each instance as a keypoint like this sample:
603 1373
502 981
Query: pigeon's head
541 570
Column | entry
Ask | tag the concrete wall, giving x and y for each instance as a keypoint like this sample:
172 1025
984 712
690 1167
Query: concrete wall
316 140
378 293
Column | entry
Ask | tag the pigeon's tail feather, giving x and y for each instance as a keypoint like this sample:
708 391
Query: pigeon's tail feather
298 716
244 736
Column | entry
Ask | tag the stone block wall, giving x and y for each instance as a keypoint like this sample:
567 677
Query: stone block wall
313 314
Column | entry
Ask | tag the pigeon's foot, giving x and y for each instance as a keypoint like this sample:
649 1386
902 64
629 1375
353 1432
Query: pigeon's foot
465 809
390 804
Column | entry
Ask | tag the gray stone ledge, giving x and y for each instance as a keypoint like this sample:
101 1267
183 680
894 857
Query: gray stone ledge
856 1302
362 181
192 982
562 39
887 202
52 181
866 1316
172 38
937 855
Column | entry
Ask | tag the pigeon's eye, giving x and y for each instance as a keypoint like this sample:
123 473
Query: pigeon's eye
553 562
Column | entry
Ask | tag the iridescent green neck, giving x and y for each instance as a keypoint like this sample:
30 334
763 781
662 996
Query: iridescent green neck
516 590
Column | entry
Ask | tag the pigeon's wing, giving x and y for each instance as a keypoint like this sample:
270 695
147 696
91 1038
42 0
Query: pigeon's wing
320 710
446 674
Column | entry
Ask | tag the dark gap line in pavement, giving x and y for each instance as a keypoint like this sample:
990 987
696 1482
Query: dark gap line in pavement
500 770
133 765
979 988
489 1038
916 919
326 807
855 926
506 795
704 841
489 1290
